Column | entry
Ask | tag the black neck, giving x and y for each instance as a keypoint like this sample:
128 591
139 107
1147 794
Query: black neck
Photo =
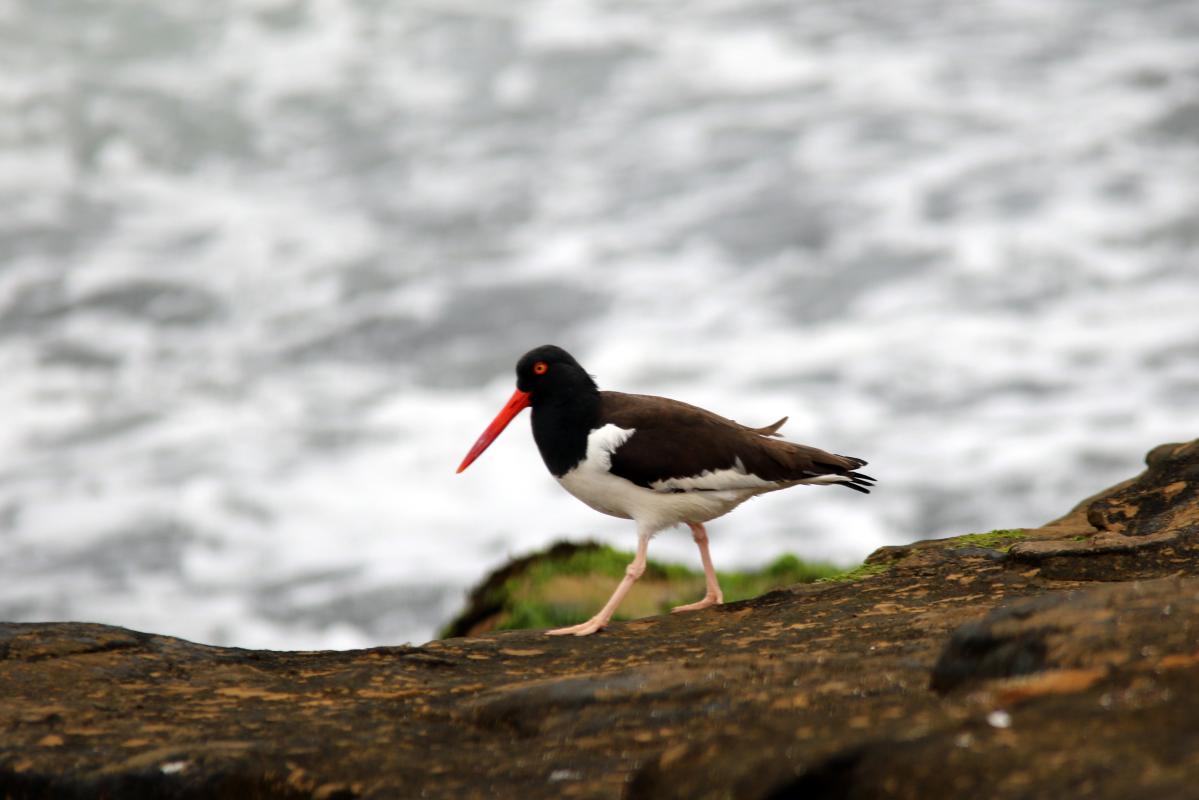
561 424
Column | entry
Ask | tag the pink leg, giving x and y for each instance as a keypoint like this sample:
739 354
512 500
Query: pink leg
600 620
713 596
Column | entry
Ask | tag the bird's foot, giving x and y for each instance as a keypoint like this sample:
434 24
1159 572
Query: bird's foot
587 628
709 600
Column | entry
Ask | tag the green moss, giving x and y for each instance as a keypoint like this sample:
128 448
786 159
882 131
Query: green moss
857 573
999 539
783 571
528 614
542 593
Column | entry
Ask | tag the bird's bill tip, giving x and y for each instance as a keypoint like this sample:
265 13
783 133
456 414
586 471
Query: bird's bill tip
517 403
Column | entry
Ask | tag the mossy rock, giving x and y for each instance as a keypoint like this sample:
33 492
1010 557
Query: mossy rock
856 574
1000 539
567 583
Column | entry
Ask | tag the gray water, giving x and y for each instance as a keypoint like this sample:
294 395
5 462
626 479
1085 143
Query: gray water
265 268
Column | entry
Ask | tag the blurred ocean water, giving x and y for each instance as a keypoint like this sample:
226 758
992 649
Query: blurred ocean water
266 265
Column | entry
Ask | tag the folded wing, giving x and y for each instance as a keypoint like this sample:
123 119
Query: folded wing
680 447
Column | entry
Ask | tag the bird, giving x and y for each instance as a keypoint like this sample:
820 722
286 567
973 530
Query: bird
656 461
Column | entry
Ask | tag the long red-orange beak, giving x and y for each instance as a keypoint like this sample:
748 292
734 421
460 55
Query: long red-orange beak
516 404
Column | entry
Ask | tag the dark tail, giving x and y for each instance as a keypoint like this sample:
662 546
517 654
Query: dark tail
858 481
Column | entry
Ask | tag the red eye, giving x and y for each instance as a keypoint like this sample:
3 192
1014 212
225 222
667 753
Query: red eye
540 368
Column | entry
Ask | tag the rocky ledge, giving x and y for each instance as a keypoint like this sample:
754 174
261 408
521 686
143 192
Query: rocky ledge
1054 662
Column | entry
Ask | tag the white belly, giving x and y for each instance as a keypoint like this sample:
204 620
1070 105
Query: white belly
652 510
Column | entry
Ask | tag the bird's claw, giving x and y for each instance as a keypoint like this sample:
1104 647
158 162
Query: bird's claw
709 600
582 629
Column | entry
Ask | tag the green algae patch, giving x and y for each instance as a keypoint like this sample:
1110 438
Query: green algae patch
858 573
786 570
567 584
1000 539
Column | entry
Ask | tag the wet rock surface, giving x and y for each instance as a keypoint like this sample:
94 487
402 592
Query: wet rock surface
1053 662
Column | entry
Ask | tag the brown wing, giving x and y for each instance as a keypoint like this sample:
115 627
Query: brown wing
677 440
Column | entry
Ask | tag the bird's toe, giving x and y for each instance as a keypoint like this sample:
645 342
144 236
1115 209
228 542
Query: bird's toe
709 600
582 629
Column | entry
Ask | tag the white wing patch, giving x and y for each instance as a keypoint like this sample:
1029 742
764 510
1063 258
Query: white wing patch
736 477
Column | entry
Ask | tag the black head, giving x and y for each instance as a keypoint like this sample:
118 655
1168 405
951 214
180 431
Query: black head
550 373
565 403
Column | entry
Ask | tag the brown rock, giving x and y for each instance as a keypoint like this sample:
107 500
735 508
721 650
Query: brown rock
1055 662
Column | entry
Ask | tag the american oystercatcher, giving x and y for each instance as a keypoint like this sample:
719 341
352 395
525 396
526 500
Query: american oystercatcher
655 461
